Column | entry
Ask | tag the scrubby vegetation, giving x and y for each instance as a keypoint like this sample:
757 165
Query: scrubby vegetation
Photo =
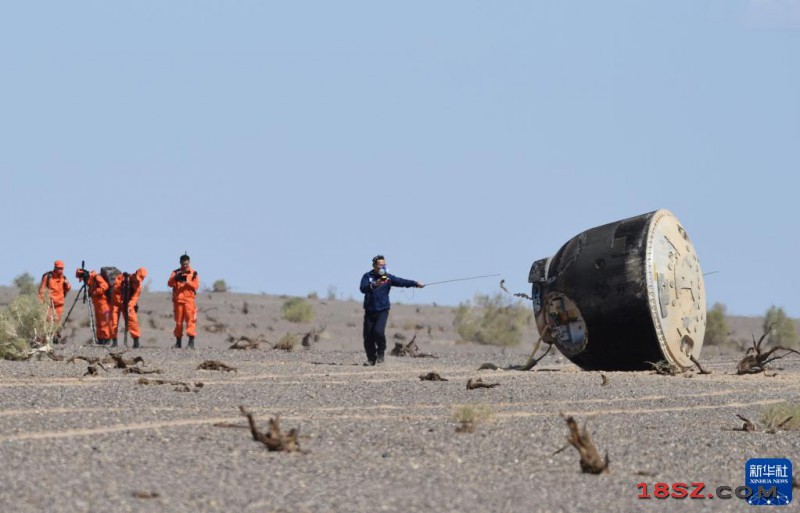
469 416
25 283
492 320
219 286
24 324
781 328
287 342
785 416
717 330
331 293
298 310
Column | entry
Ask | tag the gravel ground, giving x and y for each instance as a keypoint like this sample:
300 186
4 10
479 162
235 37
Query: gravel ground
378 439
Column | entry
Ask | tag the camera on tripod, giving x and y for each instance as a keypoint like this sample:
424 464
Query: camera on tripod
83 275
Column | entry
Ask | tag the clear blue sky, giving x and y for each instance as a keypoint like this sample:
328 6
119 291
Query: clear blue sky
283 144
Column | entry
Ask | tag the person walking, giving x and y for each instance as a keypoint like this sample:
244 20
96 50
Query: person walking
56 286
376 285
184 283
125 301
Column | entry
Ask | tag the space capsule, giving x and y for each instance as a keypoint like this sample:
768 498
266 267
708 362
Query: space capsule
623 295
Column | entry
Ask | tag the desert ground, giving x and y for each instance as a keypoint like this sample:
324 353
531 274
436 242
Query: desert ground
371 438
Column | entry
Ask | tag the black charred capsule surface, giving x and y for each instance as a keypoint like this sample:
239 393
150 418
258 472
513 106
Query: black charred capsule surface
610 298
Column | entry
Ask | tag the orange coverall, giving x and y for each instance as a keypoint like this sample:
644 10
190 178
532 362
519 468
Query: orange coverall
135 281
102 310
183 301
57 285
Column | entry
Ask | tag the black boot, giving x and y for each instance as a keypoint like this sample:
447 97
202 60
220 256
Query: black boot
190 345
101 342
114 342
136 342
178 341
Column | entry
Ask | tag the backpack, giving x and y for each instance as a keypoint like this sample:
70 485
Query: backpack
109 274
125 288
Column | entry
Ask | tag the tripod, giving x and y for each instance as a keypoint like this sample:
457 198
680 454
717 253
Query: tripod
123 314
83 292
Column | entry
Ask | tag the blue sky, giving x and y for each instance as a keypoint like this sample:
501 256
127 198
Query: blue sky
283 144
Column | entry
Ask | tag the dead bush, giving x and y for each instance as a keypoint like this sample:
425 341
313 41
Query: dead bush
274 440
473 384
785 416
216 365
287 342
756 358
581 440
431 376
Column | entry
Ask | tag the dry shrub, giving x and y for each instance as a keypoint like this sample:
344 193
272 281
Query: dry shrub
590 460
756 358
298 310
23 325
287 342
219 286
473 384
431 376
411 349
274 439
469 416
492 320
775 417
244 342
665 368
216 365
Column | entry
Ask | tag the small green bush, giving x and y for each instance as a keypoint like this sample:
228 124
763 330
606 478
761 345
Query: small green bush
313 295
297 309
23 323
717 330
25 283
219 286
781 328
492 320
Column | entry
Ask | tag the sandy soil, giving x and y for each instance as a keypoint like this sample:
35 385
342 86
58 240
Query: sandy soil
378 439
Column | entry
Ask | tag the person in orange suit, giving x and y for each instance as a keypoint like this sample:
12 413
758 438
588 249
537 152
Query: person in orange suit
184 283
98 288
125 301
57 286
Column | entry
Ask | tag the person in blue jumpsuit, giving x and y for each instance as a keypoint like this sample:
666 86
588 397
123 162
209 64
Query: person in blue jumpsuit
376 285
